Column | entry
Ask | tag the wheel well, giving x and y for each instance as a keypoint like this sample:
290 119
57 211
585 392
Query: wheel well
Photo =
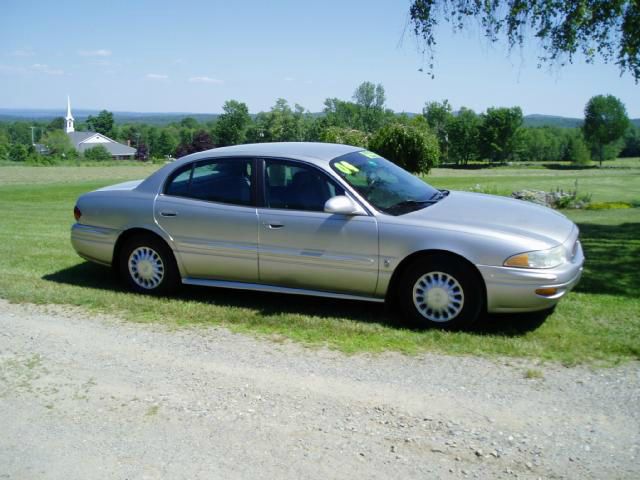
426 254
126 235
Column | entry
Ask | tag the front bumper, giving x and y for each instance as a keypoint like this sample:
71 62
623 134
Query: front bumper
514 289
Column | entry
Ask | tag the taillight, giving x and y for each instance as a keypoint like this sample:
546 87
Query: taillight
77 213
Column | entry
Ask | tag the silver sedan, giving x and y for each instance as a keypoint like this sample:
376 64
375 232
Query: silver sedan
332 221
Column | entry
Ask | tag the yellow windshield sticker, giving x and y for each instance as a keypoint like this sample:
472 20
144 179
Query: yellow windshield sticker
369 154
351 168
343 169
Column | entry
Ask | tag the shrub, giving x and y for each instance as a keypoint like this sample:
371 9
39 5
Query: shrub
409 147
18 153
97 154
345 136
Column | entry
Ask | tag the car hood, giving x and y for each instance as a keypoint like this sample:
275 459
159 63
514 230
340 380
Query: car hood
491 215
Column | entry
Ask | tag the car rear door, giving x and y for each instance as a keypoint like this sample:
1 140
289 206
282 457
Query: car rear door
301 246
208 209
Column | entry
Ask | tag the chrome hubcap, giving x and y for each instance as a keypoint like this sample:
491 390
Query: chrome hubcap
146 267
438 296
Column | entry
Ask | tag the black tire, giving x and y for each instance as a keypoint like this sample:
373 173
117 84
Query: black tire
163 276
459 298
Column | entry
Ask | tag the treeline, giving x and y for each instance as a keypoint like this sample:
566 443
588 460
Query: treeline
439 135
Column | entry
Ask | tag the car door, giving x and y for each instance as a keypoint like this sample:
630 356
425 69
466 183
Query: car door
301 246
208 209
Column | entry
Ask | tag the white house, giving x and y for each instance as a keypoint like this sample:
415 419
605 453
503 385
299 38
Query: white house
85 140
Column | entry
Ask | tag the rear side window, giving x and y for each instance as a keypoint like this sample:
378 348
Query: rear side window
224 181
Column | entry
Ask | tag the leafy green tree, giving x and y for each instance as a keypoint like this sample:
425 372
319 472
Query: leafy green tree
190 123
631 142
345 136
97 154
280 124
231 126
57 123
58 143
339 113
18 152
609 29
166 144
370 100
103 123
438 116
499 133
411 148
605 122
20 132
576 149
464 134
201 141
4 145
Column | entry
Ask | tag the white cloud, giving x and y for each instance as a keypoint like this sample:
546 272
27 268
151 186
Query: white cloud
156 76
10 69
39 67
289 79
95 53
22 52
206 80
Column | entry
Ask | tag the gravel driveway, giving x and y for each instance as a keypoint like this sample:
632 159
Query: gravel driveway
85 396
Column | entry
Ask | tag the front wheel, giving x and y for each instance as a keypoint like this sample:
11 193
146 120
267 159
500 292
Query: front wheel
441 292
148 266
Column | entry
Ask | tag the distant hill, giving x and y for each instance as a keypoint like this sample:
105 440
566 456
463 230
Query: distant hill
45 115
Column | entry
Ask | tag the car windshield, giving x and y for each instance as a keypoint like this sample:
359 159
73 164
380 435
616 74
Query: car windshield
383 184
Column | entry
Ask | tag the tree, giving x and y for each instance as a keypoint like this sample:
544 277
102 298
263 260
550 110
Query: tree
609 29
103 123
231 126
409 147
280 124
142 152
166 144
631 142
97 154
57 123
464 131
498 133
345 136
58 143
576 150
18 152
438 116
370 100
201 141
605 122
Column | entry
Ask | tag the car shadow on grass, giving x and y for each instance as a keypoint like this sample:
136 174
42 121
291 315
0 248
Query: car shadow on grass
612 259
90 275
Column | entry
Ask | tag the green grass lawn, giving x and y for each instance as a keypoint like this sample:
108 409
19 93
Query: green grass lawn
597 323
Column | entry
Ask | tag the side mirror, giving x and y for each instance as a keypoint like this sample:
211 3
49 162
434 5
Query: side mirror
343 205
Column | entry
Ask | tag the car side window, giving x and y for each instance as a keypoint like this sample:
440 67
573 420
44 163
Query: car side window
223 180
296 186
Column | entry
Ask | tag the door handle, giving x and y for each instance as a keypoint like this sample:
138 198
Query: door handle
274 226
169 214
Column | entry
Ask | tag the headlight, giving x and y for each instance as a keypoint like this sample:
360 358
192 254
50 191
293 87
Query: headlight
539 259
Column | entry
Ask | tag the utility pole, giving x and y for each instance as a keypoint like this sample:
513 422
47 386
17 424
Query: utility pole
33 142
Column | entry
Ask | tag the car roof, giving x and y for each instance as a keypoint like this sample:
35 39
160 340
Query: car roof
313 152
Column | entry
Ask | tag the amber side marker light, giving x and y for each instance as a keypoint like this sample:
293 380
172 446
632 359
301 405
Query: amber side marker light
77 213
546 292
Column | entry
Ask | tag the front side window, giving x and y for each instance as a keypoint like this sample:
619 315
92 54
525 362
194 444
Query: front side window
223 180
296 186
383 184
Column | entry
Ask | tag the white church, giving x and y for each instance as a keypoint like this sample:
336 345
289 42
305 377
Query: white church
85 140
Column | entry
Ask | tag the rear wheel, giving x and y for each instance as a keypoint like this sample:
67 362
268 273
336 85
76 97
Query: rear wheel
441 292
147 265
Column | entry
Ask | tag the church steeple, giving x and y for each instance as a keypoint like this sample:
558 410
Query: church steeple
69 118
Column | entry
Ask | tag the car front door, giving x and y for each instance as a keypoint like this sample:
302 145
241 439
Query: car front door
301 246
208 209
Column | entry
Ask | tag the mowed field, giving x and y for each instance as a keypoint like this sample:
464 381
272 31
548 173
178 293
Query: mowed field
598 323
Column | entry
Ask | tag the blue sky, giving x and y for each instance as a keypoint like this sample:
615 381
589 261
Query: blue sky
191 56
